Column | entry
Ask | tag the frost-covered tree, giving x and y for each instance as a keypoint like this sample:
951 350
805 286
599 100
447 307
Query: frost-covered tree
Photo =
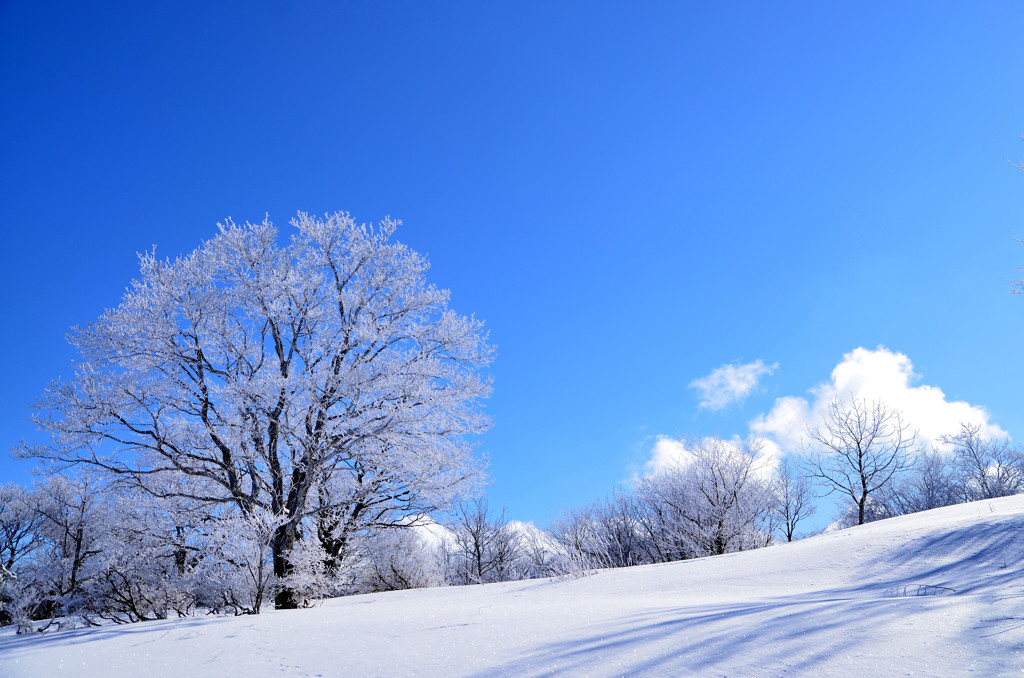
715 500
19 520
986 468
393 559
236 571
858 449
74 513
323 381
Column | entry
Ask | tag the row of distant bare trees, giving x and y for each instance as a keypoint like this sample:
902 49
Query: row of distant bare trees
725 497
866 452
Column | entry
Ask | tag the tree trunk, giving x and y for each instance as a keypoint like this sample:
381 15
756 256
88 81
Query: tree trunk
284 541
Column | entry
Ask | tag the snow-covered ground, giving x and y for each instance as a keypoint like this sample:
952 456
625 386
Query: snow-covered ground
841 604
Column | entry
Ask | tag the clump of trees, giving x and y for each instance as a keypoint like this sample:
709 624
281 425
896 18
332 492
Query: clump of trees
482 547
722 497
968 467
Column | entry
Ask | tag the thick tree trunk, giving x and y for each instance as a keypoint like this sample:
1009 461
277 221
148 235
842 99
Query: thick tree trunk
284 541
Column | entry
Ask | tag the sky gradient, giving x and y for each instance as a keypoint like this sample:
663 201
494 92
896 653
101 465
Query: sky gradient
630 198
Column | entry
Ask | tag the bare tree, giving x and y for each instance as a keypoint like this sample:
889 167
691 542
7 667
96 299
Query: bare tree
322 378
930 482
794 500
987 468
19 521
858 449
485 548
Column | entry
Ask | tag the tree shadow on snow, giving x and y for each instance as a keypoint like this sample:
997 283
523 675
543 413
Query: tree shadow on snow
183 629
801 632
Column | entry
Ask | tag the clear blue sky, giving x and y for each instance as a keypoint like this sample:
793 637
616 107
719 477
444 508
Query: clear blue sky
629 196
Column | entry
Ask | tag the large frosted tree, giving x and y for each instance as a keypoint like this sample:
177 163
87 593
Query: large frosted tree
322 384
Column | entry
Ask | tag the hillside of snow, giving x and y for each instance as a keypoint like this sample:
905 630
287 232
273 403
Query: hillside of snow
939 593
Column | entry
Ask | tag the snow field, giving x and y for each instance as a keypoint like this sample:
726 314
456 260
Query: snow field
834 605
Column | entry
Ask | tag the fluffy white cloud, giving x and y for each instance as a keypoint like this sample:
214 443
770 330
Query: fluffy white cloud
878 375
669 452
730 383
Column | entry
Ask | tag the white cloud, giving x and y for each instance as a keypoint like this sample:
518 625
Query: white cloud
786 421
878 375
730 383
669 452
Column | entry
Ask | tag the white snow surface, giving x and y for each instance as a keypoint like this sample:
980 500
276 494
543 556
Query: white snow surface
840 604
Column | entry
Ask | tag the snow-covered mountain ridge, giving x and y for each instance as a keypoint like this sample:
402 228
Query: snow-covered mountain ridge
843 603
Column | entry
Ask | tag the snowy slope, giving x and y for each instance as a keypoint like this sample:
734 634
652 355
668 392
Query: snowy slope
831 605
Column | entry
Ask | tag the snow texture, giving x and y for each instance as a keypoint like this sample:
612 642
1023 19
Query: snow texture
938 593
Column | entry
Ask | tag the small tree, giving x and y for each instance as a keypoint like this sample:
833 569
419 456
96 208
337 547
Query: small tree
794 500
19 520
583 540
858 449
75 513
483 549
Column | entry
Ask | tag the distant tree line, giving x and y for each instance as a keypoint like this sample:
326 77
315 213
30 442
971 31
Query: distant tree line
722 497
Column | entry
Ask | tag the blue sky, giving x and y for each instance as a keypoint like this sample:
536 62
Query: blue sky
630 197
